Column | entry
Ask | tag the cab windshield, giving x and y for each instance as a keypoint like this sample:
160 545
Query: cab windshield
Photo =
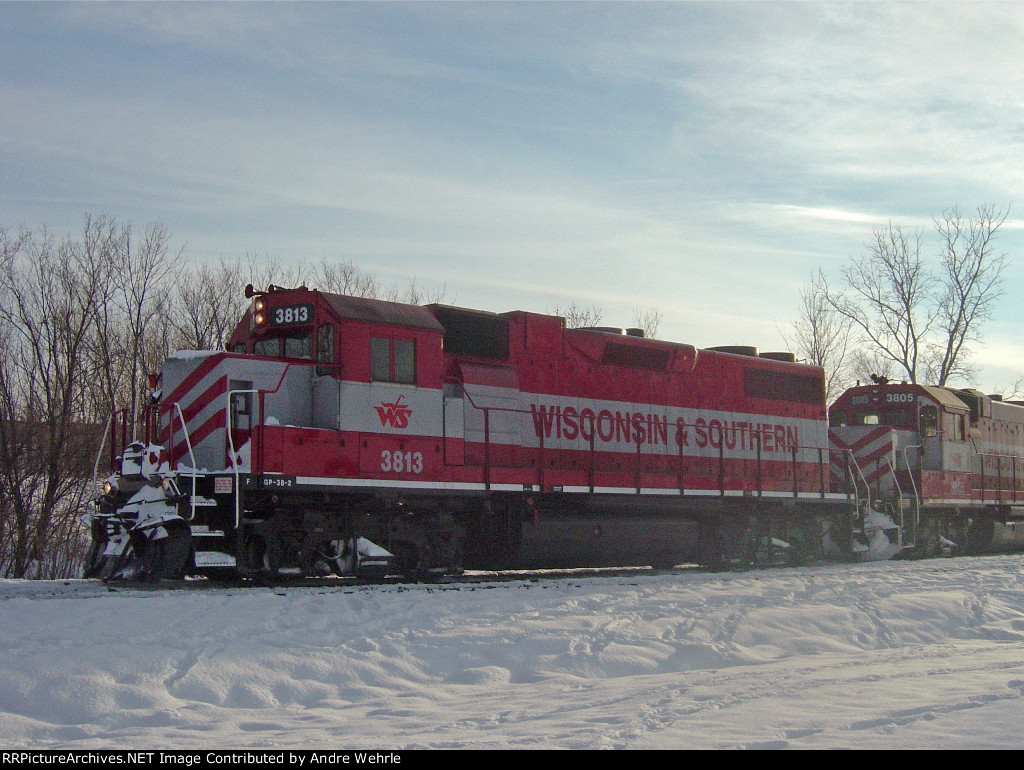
298 344
894 417
897 418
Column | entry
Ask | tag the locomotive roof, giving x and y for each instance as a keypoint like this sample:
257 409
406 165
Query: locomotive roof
382 312
944 396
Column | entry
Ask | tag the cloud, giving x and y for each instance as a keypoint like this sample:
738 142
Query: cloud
700 158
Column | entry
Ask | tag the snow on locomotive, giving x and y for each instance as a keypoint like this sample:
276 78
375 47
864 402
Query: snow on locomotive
354 436
947 465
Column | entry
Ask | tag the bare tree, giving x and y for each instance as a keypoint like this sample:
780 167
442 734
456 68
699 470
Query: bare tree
971 285
144 266
578 316
76 333
264 271
581 316
50 292
891 297
866 365
209 304
919 320
107 343
414 295
648 320
346 278
822 336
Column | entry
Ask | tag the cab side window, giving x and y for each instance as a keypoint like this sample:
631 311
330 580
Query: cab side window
929 421
405 362
393 360
299 345
269 346
325 348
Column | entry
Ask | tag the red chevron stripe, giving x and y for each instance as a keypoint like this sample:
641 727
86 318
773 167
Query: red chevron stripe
861 439
183 387
869 457
215 421
204 399
189 411
871 437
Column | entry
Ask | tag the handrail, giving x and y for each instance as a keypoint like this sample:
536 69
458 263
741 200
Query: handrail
716 430
913 484
999 468
856 489
192 459
103 443
899 501
111 429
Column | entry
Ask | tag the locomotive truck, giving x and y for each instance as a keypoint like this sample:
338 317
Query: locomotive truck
353 436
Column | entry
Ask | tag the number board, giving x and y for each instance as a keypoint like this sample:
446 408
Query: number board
900 398
291 315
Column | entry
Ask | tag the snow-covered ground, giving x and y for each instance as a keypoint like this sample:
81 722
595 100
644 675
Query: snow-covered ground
881 655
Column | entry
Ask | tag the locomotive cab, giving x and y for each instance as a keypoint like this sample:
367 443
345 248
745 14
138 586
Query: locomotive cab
292 324
366 340
892 430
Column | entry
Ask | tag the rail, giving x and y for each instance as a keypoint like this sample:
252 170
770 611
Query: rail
110 429
103 444
913 485
799 484
851 458
191 457
899 502
1014 480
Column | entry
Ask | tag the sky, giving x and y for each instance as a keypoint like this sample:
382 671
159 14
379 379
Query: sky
698 159
881 655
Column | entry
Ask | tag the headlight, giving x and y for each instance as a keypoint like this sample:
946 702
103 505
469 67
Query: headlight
108 487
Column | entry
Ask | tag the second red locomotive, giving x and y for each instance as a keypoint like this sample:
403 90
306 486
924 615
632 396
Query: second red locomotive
946 464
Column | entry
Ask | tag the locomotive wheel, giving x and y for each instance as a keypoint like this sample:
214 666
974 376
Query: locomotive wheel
407 556
728 544
709 545
804 544
257 559
837 537
929 543
979 535
741 536
167 557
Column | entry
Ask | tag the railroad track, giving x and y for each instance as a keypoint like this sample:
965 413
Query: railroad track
469 578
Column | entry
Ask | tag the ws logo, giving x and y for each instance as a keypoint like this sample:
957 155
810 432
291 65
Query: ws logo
395 415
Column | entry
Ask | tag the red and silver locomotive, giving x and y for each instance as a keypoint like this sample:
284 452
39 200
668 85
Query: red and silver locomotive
946 464
354 436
